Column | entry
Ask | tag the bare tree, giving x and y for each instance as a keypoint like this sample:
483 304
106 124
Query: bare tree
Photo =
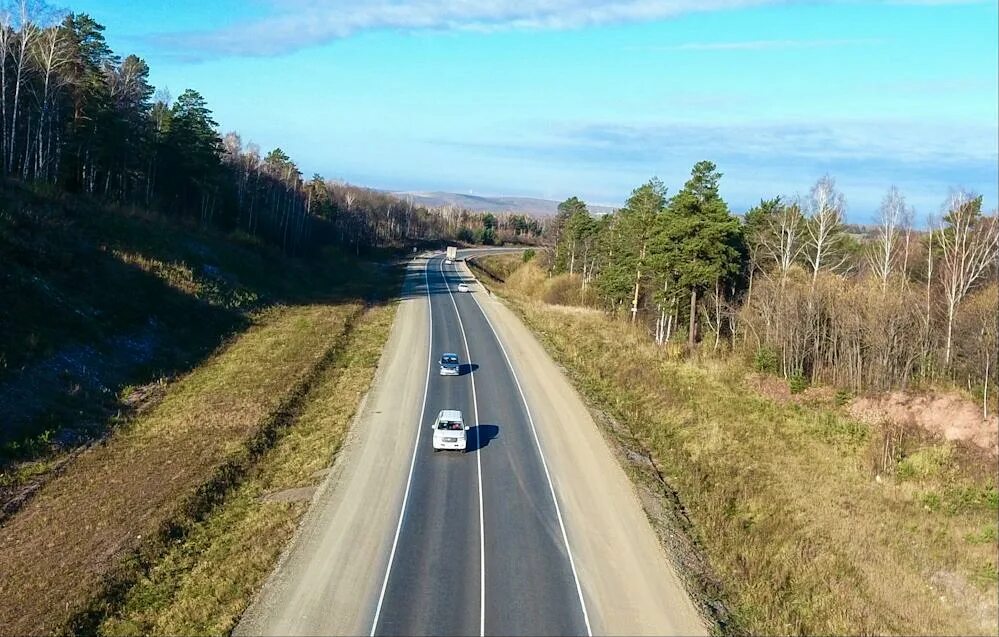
51 55
968 246
7 36
781 243
908 215
884 253
825 227
928 316
27 32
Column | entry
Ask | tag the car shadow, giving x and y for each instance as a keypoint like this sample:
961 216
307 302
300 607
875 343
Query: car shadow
467 368
482 435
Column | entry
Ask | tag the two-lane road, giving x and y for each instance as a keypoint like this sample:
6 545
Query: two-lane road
535 530
481 549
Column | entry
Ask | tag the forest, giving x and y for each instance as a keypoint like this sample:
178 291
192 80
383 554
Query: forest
77 118
792 285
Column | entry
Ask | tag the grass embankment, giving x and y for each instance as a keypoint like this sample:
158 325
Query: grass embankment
158 527
785 499
204 583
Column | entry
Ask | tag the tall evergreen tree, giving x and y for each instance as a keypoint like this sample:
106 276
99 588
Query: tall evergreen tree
698 241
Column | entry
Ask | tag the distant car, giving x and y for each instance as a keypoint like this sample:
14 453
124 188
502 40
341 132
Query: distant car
449 365
448 262
463 287
450 431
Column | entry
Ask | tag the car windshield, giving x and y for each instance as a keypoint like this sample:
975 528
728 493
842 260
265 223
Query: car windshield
450 425
449 359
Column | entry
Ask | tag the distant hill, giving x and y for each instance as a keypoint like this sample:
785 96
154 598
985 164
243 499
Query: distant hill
522 205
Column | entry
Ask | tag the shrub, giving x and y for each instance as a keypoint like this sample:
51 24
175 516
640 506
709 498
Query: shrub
843 396
798 383
465 235
528 255
925 463
766 361
562 290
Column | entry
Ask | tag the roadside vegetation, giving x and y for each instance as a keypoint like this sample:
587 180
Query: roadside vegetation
790 283
203 583
812 521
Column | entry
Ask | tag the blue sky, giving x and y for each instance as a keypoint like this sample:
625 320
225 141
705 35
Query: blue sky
553 98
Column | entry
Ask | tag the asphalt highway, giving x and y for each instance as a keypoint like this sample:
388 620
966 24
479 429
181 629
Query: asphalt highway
481 549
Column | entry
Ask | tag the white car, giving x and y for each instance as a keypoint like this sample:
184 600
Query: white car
450 431
463 287
450 365
448 262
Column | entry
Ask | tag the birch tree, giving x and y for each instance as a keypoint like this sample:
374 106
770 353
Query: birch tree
885 254
968 245
51 55
776 236
26 34
824 247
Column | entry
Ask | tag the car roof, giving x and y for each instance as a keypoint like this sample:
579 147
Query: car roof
449 414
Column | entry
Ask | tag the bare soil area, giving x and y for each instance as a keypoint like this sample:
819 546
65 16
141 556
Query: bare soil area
950 416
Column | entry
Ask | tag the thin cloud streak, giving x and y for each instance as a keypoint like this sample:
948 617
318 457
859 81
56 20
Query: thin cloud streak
298 24
924 148
760 45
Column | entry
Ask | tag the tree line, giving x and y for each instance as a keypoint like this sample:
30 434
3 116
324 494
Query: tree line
77 117
808 296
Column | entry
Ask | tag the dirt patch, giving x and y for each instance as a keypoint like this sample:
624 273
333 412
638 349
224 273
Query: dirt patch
140 399
949 416
955 589
771 387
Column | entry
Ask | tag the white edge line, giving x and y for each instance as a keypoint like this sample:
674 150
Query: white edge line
478 461
416 445
544 463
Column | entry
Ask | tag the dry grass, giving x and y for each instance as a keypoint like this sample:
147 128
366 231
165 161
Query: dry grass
116 507
204 583
784 498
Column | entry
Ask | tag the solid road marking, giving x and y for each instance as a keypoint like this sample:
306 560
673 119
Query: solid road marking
551 487
478 461
412 462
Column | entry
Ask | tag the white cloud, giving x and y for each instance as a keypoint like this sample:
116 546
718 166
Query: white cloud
297 24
